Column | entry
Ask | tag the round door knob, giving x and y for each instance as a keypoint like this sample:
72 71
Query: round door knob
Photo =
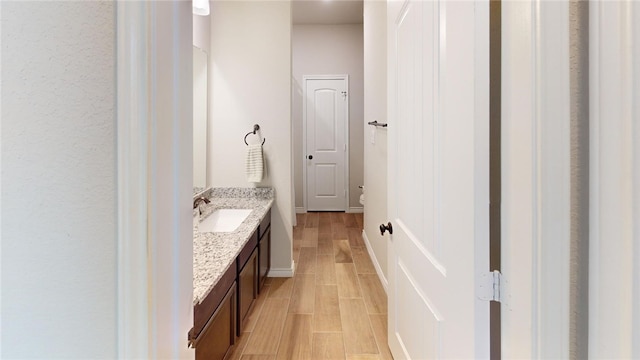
387 227
310 157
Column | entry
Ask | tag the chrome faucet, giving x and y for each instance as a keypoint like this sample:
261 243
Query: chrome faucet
197 202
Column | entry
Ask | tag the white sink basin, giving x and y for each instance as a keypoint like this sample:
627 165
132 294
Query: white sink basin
224 220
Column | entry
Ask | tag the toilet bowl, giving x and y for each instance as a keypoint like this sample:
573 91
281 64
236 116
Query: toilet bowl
362 196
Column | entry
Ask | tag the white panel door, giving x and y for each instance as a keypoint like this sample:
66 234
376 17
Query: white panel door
614 180
325 109
438 179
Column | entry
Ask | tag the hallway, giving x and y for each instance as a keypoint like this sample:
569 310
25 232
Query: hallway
333 308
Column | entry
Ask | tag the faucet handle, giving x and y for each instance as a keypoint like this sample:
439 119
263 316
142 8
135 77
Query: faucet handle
198 201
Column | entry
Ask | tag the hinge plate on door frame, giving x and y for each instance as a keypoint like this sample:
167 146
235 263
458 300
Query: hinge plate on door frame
491 287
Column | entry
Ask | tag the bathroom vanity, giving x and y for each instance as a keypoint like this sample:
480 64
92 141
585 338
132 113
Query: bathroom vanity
229 270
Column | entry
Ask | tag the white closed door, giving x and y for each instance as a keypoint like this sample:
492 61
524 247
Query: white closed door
325 156
438 170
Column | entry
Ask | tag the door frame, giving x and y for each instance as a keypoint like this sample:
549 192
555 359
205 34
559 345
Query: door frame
154 156
306 78
614 175
536 180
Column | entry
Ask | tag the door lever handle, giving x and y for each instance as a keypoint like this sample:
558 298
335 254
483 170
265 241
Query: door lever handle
387 227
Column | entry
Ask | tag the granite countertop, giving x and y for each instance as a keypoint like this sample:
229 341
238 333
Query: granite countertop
213 253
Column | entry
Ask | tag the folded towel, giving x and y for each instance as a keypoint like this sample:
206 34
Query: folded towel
255 163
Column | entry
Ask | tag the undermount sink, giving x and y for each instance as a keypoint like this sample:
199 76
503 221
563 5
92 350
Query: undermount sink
224 220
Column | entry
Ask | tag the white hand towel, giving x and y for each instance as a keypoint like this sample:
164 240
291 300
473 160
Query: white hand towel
255 163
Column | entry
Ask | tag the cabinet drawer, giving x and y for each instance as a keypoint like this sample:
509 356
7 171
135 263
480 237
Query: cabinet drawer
203 311
264 224
247 250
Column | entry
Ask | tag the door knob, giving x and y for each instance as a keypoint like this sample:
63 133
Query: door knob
387 227
310 157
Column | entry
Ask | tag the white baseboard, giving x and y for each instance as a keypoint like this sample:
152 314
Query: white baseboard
283 272
375 262
354 209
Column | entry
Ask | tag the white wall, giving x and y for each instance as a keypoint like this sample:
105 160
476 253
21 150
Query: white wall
330 50
58 180
250 66
375 108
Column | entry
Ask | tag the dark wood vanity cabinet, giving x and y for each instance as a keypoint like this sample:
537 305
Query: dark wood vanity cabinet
247 279
264 262
247 289
215 318
220 317
254 262
264 249
219 335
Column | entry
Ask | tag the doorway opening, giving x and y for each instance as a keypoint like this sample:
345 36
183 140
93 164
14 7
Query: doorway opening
325 142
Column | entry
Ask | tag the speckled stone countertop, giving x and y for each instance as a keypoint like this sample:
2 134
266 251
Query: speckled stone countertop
213 253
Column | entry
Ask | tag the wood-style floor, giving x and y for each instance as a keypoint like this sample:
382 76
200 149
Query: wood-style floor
333 308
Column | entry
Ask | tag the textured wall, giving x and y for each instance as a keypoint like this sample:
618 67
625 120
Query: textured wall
58 180
330 50
375 102
250 83
579 267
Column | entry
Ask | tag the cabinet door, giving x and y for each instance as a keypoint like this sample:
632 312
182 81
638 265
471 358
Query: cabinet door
247 288
203 311
219 334
265 257
264 224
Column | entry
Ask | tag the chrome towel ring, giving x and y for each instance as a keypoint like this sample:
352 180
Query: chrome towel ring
256 128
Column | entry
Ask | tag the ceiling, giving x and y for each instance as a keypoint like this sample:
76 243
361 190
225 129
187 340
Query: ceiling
327 11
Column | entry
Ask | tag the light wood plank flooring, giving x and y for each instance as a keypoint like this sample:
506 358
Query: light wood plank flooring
333 308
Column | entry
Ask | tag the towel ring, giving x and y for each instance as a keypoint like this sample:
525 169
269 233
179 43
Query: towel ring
256 127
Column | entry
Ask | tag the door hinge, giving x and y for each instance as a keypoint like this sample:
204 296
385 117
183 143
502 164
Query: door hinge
492 287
